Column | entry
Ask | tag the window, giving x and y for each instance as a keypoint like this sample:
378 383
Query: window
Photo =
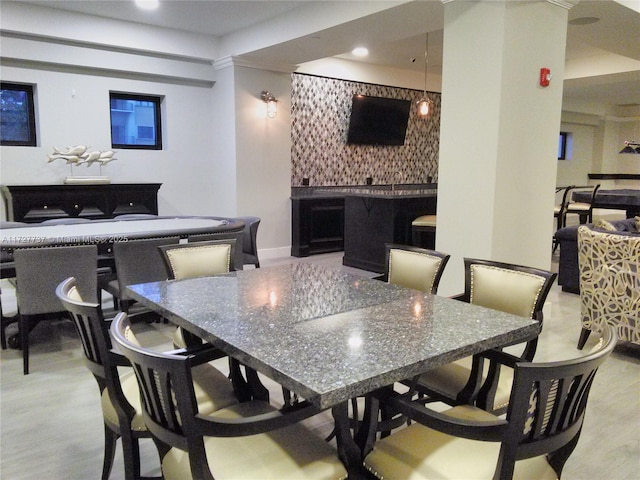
562 146
135 121
17 115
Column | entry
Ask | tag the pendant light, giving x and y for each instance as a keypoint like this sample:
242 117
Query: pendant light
424 104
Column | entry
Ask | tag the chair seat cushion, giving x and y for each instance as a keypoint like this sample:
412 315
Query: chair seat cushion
418 452
578 207
291 452
448 380
212 389
424 221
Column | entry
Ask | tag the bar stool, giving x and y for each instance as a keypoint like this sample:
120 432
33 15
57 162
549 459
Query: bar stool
421 225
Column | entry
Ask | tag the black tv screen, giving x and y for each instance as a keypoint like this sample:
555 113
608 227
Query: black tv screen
378 120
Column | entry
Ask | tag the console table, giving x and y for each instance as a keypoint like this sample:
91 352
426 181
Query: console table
36 203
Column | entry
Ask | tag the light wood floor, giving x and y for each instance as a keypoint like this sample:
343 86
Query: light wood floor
51 423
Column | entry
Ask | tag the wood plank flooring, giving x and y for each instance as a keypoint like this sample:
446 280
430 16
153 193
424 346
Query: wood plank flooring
51 423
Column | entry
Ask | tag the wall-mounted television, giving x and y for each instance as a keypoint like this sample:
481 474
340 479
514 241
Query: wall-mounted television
378 120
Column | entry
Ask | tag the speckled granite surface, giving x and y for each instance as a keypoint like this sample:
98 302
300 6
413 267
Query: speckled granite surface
328 335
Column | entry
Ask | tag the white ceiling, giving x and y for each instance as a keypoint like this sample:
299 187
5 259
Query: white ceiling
396 36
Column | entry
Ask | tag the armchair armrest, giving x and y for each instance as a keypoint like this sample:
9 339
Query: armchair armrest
489 430
216 426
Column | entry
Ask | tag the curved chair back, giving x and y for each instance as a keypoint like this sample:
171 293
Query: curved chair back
582 208
507 287
543 423
199 259
103 362
547 407
414 267
170 411
560 208
92 328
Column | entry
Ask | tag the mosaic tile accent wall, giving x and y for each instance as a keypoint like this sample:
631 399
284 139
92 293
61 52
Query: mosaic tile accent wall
320 110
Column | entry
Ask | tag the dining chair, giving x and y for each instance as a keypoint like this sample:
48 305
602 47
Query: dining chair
584 209
38 273
560 209
250 240
208 258
414 267
119 393
238 236
248 440
541 429
136 261
199 259
510 288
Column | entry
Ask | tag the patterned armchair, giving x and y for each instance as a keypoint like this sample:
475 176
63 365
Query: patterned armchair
609 283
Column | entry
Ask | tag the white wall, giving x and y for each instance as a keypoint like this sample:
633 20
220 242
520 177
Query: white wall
582 130
73 109
263 157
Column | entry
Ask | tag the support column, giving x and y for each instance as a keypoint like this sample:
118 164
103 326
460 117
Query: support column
499 132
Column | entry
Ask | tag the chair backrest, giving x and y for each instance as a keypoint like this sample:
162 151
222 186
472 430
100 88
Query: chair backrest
547 407
591 190
199 259
414 267
140 261
238 256
562 199
100 358
507 287
166 386
40 270
609 265
90 323
250 240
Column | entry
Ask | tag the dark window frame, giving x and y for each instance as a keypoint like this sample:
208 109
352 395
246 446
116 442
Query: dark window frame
157 104
32 141
562 145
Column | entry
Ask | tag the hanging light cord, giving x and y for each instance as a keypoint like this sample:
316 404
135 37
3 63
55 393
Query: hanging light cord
426 62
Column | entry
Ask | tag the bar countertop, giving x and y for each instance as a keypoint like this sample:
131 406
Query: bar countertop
372 191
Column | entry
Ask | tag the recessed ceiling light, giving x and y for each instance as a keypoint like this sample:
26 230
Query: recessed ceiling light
360 52
148 4
584 21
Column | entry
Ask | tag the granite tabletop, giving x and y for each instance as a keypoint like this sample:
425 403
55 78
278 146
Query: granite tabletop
328 335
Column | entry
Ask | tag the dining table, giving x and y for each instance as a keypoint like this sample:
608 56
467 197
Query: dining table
329 335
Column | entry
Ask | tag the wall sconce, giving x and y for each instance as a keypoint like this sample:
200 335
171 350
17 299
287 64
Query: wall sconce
272 103
630 147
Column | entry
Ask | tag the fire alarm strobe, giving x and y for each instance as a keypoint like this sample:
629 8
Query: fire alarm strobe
545 77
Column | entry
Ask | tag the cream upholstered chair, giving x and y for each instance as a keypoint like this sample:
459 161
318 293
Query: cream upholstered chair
414 267
541 429
119 393
609 266
199 259
510 288
250 440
